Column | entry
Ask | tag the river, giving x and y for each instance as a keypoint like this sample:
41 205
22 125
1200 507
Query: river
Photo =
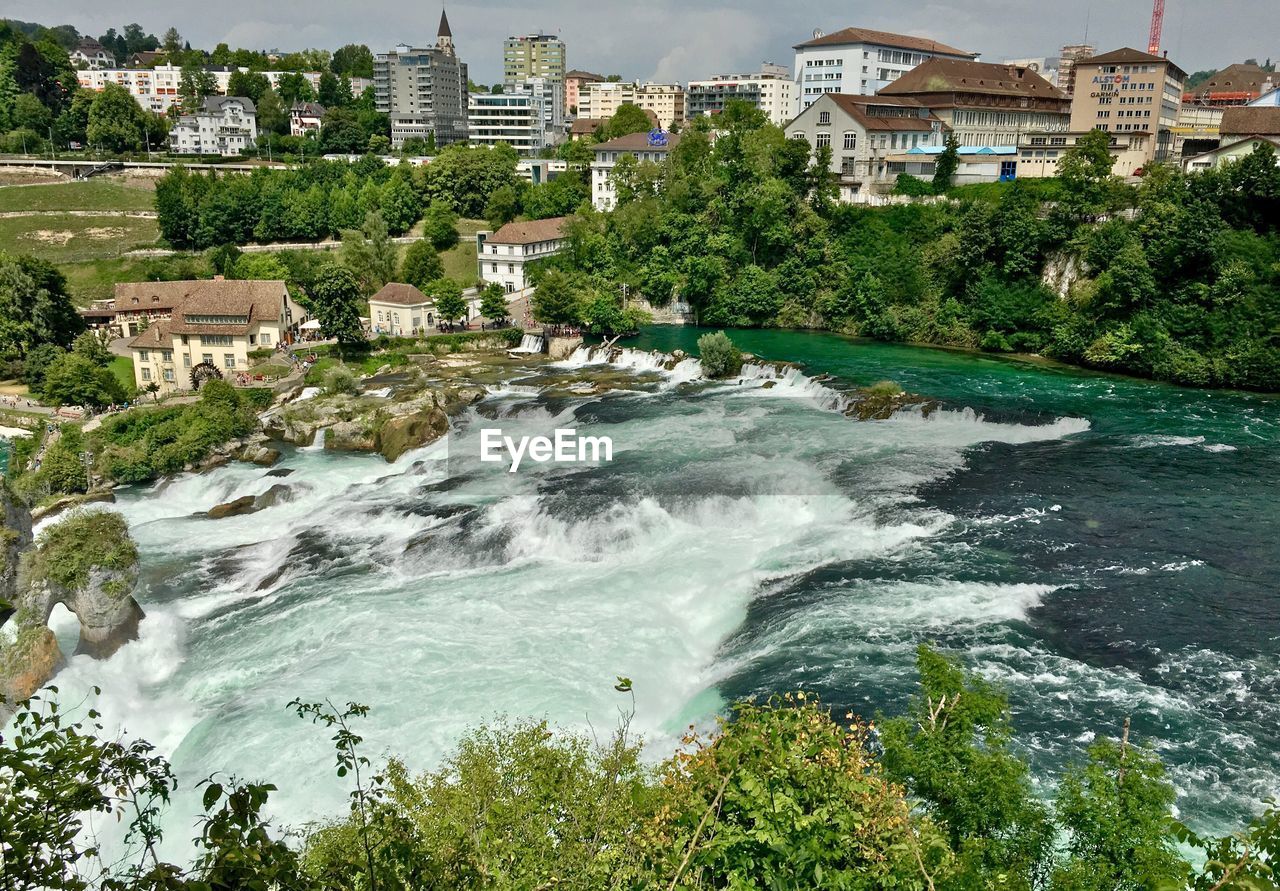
1100 546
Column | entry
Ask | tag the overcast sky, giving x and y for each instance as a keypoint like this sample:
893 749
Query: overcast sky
687 39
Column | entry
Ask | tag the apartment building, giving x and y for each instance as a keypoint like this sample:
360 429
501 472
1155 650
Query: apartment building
504 256
574 81
652 147
985 104
601 100
423 90
552 95
517 118
860 61
533 56
213 327
769 90
159 88
1129 91
862 132
224 125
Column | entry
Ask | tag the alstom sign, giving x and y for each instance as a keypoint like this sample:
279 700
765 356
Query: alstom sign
1111 78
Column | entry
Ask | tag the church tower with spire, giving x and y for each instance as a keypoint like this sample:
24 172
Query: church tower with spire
444 35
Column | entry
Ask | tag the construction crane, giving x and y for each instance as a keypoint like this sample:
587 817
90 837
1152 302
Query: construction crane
1157 26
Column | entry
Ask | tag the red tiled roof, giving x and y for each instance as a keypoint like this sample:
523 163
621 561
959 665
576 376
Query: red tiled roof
863 110
955 76
1127 55
1250 121
400 294
636 142
884 38
529 232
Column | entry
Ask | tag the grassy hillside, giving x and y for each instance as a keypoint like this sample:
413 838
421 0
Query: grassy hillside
93 194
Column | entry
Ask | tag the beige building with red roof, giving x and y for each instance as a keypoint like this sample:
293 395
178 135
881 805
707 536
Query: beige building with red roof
1132 92
213 326
401 310
503 256
863 132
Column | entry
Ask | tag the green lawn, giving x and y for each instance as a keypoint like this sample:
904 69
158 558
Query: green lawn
460 263
93 194
122 368
68 239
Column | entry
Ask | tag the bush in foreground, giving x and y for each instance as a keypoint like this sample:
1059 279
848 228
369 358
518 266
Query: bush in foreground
719 356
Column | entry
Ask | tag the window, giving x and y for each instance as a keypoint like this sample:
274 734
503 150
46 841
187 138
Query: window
265 339
186 360
850 140
166 356
824 140
824 117
143 355
168 374
215 339
146 374
229 360
511 267
207 358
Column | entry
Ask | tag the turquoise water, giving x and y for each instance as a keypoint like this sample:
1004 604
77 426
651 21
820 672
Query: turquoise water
1103 547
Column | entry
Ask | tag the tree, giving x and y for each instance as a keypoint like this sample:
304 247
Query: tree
251 84
1085 173
115 120
353 60
74 380
370 254
493 302
946 165
421 265
1117 808
556 300
952 751
447 295
172 44
34 306
629 118
294 87
335 297
194 84
90 345
440 226
273 117
503 206
718 355
400 206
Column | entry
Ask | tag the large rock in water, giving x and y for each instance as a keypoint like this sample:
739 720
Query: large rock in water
26 664
400 434
350 436
245 504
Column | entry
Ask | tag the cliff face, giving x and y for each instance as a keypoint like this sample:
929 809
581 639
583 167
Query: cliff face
89 563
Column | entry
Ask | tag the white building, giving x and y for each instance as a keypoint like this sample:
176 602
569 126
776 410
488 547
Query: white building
769 90
516 118
503 256
91 54
652 147
862 133
401 310
159 88
552 93
306 118
224 125
859 61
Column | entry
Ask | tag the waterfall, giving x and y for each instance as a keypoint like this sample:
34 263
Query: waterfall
317 444
530 344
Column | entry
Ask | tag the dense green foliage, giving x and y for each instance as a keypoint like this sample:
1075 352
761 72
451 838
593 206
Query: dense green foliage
781 796
144 443
325 198
70 549
35 310
1177 279
718 355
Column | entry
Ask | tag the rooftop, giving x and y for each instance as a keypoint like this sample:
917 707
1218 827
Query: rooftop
1251 121
850 36
957 76
1239 78
400 294
638 142
864 110
1127 55
529 232
250 301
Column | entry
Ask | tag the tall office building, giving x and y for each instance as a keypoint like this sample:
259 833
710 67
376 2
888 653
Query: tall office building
533 56
423 90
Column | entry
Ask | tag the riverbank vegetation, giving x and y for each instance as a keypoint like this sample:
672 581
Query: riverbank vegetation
785 794
1176 279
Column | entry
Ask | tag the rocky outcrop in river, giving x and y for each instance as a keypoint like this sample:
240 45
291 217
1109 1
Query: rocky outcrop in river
88 563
